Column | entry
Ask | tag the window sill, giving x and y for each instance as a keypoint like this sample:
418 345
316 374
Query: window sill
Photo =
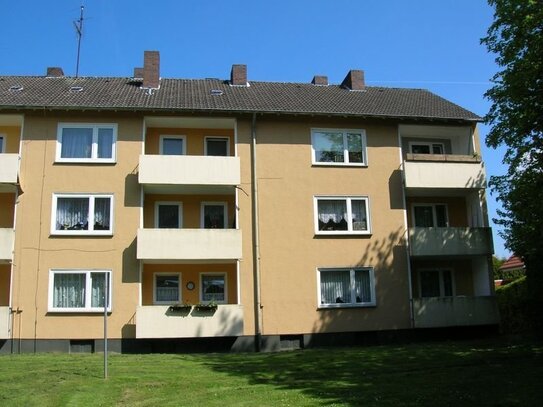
84 161
342 306
57 233
317 164
77 311
342 233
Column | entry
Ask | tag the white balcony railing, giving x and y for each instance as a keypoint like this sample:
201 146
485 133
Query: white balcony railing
189 244
155 321
4 322
455 311
188 170
9 168
445 174
7 238
450 241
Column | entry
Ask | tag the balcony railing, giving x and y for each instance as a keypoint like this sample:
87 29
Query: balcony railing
455 311
7 237
187 170
444 171
189 244
156 321
9 168
4 322
450 241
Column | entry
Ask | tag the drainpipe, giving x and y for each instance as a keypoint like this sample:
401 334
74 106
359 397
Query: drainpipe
256 241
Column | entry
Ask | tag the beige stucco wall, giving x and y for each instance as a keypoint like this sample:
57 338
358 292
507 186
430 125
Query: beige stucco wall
37 252
290 252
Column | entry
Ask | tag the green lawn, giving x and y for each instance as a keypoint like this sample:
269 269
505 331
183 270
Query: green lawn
491 372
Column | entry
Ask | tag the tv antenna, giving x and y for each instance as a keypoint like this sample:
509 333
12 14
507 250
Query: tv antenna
79 30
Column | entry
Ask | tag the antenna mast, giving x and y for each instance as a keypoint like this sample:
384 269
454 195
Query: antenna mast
79 30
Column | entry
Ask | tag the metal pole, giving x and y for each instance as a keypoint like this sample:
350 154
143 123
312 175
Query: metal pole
79 29
106 298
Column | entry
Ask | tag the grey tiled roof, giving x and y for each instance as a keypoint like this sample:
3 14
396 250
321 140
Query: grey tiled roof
179 95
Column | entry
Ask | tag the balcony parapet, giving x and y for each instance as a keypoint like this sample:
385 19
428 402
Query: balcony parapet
450 241
444 173
7 239
9 168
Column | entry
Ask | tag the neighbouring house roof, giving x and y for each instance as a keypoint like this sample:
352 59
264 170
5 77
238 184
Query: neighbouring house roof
512 263
215 95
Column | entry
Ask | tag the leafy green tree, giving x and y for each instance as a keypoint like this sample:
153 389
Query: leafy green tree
496 264
516 120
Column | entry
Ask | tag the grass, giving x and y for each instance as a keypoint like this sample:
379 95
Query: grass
493 373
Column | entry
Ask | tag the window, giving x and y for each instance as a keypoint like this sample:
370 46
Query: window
86 142
79 290
168 215
2 143
430 215
213 287
172 145
338 147
343 287
167 288
419 147
81 214
214 215
342 215
217 146
436 283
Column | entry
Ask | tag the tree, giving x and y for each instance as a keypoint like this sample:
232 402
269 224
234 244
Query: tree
496 264
516 120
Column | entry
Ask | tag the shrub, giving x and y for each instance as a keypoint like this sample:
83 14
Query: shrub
513 304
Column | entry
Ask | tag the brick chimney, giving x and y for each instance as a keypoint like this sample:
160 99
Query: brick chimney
354 80
320 80
151 69
138 73
238 75
54 71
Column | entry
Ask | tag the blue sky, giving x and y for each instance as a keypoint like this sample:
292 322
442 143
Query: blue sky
427 44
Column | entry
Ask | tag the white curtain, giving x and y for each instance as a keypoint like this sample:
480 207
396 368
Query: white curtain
102 208
105 143
72 213
332 214
69 291
167 288
335 286
98 290
76 143
362 285
213 288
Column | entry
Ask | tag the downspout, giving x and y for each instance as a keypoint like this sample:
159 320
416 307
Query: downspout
256 241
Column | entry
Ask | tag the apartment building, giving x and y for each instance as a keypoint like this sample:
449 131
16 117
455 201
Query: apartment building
299 213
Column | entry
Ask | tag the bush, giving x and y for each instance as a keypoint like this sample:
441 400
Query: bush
514 304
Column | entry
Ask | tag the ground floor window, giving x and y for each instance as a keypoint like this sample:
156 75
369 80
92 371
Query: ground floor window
79 290
346 287
436 283
213 287
167 288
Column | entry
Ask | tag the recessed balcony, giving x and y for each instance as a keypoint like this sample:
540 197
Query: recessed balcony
441 171
7 238
189 174
438 241
157 321
188 245
455 311
9 171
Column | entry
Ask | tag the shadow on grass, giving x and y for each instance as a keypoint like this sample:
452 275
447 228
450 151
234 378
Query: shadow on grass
436 374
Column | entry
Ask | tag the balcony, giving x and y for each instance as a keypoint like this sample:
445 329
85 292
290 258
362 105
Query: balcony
450 241
189 174
9 171
455 311
7 238
4 322
439 171
157 322
189 245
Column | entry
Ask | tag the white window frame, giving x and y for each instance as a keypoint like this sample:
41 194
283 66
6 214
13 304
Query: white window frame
426 143
345 162
2 143
94 151
434 212
172 136
88 285
179 207
351 271
225 211
349 230
226 138
90 230
201 295
180 287
441 282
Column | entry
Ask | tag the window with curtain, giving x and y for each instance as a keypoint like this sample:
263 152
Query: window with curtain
79 290
167 288
339 147
86 143
82 214
214 215
342 215
213 287
346 287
